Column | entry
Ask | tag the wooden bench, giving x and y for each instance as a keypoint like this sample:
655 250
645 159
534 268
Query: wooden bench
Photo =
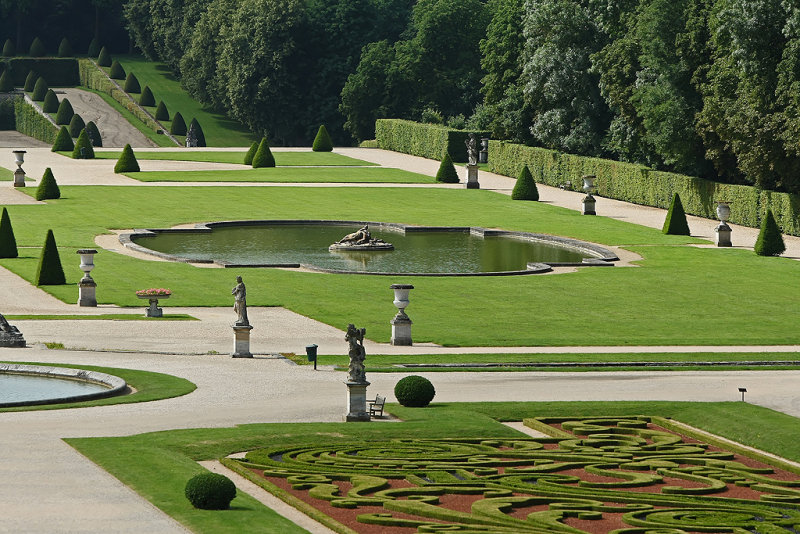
376 406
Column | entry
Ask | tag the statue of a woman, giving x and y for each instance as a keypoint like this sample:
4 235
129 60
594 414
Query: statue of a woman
472 149
240 303
355 336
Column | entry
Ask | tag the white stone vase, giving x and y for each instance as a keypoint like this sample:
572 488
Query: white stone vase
723 212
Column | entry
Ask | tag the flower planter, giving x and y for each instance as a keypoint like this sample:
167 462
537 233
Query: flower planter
153 310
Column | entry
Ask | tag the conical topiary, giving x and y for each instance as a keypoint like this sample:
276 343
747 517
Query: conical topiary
50 272
525 188
83 147
93 133
40 89
50 104
147 98
161 111
675 223
770 241
197 131
127 161
322 142
178 126
447 171
104 58
116 72
30 81
37 48
248 158
64 48
48 188
94 48
64 113
263 157
132 84
63 142
76 124
6 84
8 244
9 50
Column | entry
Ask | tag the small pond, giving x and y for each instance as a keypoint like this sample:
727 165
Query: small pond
23 385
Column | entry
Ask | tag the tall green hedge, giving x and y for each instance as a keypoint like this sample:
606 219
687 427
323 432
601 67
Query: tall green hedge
59 72
7 119
50 271
31 123
426 140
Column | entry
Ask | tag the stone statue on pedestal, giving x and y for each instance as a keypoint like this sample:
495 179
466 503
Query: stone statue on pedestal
472 149
356 370
240 303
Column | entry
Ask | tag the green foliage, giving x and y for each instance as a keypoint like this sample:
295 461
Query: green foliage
161 111
57 71
63 141
94 48
76 124
322 142
132 84
8 244
83 147
65 112
675 223
770 241
37 48
525 188
248 157
447 171
104 58
6 85
147 98
29 122
30 81
64 48
197 131
127 161
7 119
50 271
9 50
50 104
263 156
93 133
210 491
116 72
40 89
414 391
425 140
178 126
48 188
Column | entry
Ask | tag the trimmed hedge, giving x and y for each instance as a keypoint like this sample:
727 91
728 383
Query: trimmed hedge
59 72
94 48
6 85
147 98
263 157
197 130
675 223
178 126
425 140
251 153
132 84
770 241
7 119
76 124
31 123
65 112
48 188
127 161
30 81
64 48
161 111
50 271
40 90
63 142
104 58
414 391
50 104
116 72
210 491
83 147
447 171
8 243
93 133
37 48
525 188
322 142
9 50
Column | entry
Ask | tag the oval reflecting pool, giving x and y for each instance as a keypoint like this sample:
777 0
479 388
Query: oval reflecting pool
24 385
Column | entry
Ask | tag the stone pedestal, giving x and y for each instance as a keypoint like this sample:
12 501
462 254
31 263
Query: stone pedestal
401 329
10 336
87 289
241 341
19 178
472 177
153 310
357 402
588 205
722 235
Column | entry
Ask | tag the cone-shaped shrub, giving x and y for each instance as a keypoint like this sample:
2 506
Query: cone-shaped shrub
525 188
63 142
64 113
76 124
94 48
6 84
37 48
8 245
322 142
30 81
127 161
675 223
248 158
447 171
48 188
50 104
263 157
197 130
161 111
50 272
9 50
93 133
116 72
104 58
40 89
147 98
132 84
770 240
83 147
178 126
65 49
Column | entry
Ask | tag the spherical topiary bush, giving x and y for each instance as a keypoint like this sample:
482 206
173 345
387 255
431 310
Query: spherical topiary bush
104 58
64 49
64 113
76 124
37 48
50 104
414 391
210 491
161 111
30 81
116 72
93 133
9 50
39 89
132 84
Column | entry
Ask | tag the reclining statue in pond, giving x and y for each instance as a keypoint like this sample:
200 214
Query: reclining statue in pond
361 239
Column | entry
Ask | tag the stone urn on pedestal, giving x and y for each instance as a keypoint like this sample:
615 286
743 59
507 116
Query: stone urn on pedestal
153 295
588 200
722 233
19 174
401 324
87 287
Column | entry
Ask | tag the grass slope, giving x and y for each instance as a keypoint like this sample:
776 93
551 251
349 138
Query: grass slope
6 175
289 175
282 158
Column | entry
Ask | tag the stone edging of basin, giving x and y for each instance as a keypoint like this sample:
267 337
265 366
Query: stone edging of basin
115 385
601 255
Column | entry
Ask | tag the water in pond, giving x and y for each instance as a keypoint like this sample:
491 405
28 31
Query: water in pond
21 388
415 252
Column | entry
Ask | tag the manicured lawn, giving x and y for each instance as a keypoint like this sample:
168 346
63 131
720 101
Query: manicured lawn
157 465
6 175
281 158
218 129
290 175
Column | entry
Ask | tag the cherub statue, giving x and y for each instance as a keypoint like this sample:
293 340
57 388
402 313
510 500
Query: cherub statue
356 370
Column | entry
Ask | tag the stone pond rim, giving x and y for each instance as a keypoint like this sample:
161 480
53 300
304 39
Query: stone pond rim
112 385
